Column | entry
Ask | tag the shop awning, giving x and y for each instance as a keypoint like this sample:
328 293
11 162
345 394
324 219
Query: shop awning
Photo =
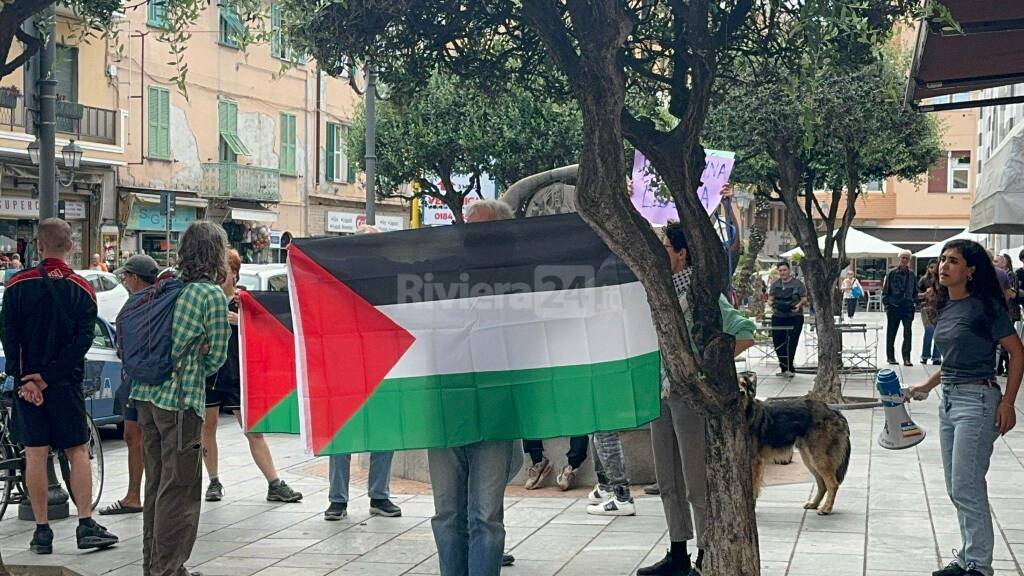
252 215
178 200
999 205
987 52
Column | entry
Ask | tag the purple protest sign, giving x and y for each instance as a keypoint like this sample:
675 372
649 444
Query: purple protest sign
717 169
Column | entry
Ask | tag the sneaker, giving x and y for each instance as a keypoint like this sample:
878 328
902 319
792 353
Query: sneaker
92 535
652 489
782 373
908 363
336 511
566 478
215 491
538 473
280 493
613 507
937 362
507 560
667 566
791 374
953 569
384 507
892 362
598 496
42 541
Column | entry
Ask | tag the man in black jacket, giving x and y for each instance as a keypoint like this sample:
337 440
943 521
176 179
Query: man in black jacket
49 317
899 295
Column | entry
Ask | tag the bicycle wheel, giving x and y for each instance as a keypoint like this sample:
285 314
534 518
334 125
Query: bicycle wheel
95 448
10 465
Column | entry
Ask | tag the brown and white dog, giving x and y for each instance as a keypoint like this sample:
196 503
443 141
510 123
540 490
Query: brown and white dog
820 433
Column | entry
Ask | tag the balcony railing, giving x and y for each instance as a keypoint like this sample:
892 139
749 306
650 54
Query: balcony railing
85 123
229 180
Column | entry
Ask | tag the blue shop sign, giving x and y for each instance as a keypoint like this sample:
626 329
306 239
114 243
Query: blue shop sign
148 217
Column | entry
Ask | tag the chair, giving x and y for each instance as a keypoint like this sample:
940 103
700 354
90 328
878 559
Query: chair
875 299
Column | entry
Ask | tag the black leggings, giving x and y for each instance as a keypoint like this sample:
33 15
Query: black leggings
851 306
785 341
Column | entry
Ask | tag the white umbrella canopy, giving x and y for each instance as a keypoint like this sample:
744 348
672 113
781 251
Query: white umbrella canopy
935 250
858 245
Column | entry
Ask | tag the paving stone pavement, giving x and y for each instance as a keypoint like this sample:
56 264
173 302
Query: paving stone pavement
892 516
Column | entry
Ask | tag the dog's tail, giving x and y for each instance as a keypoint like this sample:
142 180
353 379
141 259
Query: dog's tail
841 472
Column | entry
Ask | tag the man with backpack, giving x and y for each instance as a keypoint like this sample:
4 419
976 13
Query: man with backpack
49 317
172 339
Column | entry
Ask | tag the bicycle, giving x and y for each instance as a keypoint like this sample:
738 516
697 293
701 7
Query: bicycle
12 458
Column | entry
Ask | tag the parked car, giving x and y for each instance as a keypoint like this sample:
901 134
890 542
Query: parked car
264 277
110 294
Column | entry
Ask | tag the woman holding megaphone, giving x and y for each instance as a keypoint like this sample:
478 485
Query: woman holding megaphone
973 410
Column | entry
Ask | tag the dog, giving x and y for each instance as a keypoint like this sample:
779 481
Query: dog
820 433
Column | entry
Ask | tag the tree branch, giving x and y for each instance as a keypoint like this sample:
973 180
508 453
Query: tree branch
32 46
547 22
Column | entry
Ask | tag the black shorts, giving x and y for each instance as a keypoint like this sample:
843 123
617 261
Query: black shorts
124 406
61 422
223 398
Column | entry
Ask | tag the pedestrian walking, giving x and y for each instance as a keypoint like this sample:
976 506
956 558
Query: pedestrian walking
49 319
927 289
973 410
171 411
137 276
224 391
98 264
852 292
787 298
899 296
541 467
677 436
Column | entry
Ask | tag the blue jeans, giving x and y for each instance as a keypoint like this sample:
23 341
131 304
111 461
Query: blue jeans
930 348
380 476
967 433
469 503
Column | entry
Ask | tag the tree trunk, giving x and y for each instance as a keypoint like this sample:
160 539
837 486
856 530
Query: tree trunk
731 540
827 384
743 280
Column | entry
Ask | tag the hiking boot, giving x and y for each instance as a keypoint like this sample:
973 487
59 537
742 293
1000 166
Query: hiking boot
92 535
384 507
279 493
336 511
566 478
538 473
507 560
613 507
215 491
42 541
597 496
667 566
652 489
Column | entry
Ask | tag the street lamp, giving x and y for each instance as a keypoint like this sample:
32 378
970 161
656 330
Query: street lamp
71 153
33 152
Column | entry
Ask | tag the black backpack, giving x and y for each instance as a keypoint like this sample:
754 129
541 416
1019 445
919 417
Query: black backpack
144 332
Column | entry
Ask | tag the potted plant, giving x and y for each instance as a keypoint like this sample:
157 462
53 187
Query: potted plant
9 96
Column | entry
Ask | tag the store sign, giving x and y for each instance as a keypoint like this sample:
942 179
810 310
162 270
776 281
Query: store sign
437 213
349 222
147 217
28 208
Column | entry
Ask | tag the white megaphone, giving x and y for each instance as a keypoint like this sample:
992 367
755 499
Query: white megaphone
900 430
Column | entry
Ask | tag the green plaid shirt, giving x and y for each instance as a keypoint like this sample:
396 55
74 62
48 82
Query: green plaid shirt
200 318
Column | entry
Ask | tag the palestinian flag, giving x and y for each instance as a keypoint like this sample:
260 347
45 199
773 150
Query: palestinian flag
446 336
270 399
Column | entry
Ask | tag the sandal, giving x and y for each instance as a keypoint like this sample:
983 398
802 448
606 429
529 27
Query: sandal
119 508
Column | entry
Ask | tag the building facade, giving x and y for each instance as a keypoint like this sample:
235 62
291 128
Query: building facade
995 126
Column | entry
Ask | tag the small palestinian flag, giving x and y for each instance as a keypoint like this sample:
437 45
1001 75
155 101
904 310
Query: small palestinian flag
446 336
270 399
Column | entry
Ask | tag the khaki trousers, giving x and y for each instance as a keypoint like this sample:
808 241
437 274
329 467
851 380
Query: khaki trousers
174 489
677 437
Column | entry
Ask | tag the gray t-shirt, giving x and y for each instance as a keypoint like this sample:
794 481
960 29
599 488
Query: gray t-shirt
967 339
785 297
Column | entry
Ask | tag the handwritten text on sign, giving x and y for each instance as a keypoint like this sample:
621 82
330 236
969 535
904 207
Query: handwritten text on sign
659 210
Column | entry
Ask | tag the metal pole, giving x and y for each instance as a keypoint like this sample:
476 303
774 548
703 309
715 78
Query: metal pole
371 144
47 123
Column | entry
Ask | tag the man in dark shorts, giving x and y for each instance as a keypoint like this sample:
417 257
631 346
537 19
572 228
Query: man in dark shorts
138 274
49 318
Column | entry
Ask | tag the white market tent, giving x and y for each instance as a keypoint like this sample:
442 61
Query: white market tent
935 250
858 245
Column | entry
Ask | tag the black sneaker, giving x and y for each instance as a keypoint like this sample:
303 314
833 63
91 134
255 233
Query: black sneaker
937 362
892 362
336 511
215 491
42 541
384 507
652 490
954 569
92 535
668 566
908 363
507 560
279 493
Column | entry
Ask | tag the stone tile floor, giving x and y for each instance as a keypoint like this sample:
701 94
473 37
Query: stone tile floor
892 517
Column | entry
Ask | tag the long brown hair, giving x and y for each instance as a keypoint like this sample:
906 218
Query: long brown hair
202 253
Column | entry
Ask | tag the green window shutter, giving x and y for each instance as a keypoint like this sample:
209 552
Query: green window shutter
228 121
350 160
159 123
277 47
332 138
231 26
287 160
157 13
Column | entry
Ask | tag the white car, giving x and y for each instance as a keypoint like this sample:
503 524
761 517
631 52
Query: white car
264 277
110 294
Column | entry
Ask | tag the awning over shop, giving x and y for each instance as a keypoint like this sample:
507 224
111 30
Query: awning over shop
999 205
987 51
178 200
252 215
144 213
858 245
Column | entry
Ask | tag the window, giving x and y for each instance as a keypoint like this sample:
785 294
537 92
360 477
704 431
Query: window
287 160
157 13
231 145
280 47
962 97
874 186
159 123
65 72
339 166
959 171
100 336
231 27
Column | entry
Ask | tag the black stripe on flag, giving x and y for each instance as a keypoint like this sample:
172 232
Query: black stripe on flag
538 254
277 304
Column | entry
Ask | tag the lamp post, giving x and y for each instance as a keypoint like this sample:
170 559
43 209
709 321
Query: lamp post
71 155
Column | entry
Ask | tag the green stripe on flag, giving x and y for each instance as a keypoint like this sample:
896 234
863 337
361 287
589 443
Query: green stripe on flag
283 418
459 409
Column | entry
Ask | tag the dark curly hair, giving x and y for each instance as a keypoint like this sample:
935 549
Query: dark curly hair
202 253
983 284
676 236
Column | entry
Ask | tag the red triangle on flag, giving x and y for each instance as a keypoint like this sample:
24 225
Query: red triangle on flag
349 346
268 369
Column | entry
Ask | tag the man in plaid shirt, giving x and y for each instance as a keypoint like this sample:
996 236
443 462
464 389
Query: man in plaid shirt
171 413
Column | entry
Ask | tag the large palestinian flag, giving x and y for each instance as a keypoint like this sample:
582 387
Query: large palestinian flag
447 336
270 399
